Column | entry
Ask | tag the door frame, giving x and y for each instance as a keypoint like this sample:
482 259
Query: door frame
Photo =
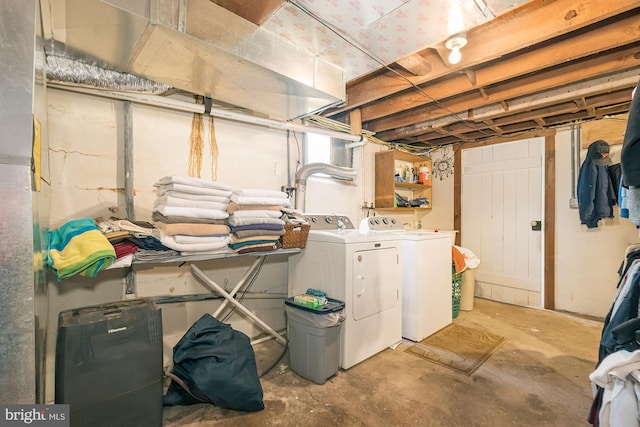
549 208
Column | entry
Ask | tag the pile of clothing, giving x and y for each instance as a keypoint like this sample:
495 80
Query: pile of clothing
191 214
256 219
133 240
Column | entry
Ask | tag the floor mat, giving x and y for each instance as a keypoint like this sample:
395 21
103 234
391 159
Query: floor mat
458 347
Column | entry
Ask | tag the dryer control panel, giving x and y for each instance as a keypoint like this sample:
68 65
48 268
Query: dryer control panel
329 222
381 223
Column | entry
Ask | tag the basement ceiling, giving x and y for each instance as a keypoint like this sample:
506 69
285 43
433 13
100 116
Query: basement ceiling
528 65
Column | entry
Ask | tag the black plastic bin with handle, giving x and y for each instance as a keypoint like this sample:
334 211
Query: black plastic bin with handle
314 339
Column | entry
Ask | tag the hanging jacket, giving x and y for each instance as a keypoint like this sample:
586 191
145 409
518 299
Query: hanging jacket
630 154
596 195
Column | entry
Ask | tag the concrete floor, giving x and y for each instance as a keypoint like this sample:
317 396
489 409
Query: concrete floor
539 376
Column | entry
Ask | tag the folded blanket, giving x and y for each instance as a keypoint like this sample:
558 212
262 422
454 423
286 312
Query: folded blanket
192 212
79 247
259 192
153 255
236 246
193 229
184 203
151 243
263 247
163 189
124 248
193 196
255 213
185 238
263 238
254 226
177 219
248 221
247 200
233 206
224 250
259 232
141 227
191 181
170 242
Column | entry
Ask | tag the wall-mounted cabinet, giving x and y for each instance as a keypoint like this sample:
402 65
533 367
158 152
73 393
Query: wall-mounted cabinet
407 174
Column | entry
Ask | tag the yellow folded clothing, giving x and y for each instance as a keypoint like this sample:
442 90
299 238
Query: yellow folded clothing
79 247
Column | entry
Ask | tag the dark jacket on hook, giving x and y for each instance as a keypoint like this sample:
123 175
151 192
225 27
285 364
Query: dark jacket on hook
596 195
630 154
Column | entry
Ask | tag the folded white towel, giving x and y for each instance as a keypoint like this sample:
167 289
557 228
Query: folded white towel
162 189
186 238
192 212
246 200
191 181
184 203
257 192
193 196
171 243
255 213
225 250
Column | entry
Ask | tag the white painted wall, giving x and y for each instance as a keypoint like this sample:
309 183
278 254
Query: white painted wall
587 260
87 180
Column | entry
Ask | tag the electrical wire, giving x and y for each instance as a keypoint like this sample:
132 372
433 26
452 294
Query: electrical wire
374 57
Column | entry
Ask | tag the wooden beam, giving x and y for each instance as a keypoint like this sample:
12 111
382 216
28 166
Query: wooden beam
253 11
532 23
415 64
620 83
355 120
580 70
580 47
549 284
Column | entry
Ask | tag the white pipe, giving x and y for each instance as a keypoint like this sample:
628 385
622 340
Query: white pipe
173 104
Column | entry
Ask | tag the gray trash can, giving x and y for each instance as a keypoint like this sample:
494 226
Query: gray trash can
314 339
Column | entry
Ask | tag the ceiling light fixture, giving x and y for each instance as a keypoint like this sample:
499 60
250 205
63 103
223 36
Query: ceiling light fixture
455 43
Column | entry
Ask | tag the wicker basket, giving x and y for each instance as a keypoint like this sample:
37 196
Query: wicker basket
295 236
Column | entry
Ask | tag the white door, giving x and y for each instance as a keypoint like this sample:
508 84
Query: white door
374 288
502 199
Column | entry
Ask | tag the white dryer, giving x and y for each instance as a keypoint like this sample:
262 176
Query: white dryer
363 269
426 277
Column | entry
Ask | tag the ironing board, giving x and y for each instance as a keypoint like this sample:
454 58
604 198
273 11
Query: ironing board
229 297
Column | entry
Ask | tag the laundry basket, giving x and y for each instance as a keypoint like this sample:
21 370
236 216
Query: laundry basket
295 236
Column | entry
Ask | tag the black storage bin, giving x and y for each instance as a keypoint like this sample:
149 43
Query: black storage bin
109 364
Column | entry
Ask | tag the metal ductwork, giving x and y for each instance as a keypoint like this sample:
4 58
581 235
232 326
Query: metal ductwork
195 46
314 168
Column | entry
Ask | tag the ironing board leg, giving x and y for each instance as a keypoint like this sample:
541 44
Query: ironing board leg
239 306
251 273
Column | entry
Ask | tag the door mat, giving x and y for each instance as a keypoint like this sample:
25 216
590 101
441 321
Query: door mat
458 347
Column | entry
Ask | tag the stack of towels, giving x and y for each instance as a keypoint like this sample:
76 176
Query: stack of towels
191 214
256 219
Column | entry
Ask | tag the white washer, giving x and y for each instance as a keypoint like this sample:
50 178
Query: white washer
361 269
426 277
426 283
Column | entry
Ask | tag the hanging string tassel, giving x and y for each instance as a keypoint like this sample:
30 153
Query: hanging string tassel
196 142
213 147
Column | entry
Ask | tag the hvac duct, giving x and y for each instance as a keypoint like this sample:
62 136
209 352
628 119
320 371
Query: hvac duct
195 46
313 168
